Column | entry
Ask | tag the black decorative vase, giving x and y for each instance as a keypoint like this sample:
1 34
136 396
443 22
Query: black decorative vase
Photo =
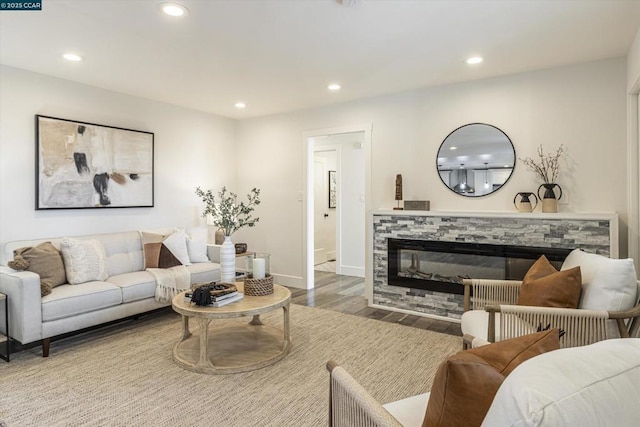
549 200
524 205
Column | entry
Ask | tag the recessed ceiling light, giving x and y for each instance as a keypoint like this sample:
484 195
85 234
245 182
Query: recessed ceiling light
453 148
72 57
174 9
334 87
474 60
240 105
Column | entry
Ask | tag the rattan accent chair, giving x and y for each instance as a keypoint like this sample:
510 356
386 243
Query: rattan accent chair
350 404
495 301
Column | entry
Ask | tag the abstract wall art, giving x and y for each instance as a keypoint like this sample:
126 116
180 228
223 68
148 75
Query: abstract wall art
85 165
332 190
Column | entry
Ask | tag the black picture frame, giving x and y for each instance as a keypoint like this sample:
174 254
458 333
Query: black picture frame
332 190
81 165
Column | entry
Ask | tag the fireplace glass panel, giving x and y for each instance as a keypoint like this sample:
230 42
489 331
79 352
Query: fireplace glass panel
441 266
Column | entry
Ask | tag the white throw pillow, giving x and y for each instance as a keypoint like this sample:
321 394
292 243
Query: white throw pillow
607 284
176 242
197 244
84 260
594 385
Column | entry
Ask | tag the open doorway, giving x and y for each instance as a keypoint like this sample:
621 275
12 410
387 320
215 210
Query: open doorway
337 200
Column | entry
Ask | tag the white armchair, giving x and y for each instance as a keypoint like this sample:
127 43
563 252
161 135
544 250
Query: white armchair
586 386
609 307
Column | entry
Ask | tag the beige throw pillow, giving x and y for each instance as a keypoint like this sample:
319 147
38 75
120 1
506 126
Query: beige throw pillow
84 260
44 260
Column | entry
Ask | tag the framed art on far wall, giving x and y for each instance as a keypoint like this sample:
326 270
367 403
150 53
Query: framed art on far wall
84 165
332 189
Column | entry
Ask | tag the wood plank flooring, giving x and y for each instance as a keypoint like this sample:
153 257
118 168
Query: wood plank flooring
345 295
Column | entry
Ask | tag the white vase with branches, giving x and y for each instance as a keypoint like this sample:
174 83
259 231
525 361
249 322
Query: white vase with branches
229 216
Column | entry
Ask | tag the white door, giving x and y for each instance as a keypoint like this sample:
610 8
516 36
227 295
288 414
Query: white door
320 206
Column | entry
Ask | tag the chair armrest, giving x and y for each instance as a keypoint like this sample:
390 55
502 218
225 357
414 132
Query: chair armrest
25 303
469 341
350 403
580 326
631 328
213 252
481 292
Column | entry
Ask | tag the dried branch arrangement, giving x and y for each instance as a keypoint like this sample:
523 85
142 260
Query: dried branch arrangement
546 166
227 213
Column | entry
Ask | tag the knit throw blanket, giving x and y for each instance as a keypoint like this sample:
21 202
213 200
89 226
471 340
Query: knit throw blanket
170 281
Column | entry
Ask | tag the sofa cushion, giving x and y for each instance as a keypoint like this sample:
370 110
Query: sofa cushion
607 284
44 260
409 411
84 260
465 383
544 286
135 286
165 250
204 272
596 384
197 244
71 300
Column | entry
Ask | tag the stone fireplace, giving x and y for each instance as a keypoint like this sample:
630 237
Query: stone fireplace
420 258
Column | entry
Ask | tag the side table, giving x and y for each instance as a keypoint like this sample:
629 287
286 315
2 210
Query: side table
6 339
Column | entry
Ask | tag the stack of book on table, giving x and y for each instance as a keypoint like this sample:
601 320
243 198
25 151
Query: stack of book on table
220 299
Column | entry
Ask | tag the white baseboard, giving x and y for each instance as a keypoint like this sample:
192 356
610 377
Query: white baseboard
348 270
290 281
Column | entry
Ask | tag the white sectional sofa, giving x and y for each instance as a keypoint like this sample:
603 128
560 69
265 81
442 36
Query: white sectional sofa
129 289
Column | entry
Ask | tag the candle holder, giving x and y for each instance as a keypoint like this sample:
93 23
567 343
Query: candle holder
259 280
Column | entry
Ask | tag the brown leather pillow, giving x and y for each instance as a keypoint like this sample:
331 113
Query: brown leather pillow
44 260
544 286
465 383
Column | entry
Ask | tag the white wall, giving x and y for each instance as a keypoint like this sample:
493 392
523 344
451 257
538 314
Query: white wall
633 135
191 149
582 106
633 62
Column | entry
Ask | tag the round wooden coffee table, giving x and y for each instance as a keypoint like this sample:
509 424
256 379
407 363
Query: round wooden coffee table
232 349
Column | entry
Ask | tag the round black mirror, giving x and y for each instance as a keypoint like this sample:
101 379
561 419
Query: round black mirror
476 159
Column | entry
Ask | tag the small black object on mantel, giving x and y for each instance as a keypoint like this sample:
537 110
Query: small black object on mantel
241 248
398 192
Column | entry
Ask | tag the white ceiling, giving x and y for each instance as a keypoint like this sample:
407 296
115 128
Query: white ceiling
279 55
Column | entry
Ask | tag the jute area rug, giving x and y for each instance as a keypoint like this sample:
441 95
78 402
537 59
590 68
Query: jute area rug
124 375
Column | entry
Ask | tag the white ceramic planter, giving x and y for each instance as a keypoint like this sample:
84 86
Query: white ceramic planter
228 261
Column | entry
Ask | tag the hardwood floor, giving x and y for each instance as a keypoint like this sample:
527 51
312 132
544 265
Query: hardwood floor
345 295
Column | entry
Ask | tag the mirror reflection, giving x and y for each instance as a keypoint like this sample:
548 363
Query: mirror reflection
476 159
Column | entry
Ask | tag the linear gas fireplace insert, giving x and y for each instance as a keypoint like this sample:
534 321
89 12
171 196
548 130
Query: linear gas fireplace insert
441 266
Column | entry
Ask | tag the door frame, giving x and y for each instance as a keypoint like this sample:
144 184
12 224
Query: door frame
308 211
633 151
